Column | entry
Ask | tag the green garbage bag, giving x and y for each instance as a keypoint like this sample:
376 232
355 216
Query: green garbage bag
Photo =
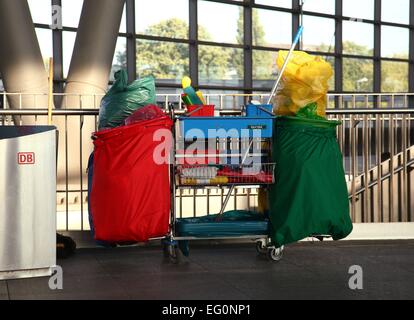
310 195
310 111
123 99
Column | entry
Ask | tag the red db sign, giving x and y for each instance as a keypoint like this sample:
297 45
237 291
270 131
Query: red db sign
26 158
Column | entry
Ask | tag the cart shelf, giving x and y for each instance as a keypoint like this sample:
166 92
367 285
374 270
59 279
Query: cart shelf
222 175
230 224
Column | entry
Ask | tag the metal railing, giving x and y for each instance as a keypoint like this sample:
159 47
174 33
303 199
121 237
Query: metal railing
376 139
224 101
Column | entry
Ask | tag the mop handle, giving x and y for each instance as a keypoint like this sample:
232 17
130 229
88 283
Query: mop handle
285 63
226 200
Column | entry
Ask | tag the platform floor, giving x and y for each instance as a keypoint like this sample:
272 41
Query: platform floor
230 271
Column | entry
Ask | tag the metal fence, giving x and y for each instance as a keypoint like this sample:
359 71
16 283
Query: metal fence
376 138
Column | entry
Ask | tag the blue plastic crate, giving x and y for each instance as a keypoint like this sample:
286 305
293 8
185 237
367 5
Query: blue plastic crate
227 127
253 110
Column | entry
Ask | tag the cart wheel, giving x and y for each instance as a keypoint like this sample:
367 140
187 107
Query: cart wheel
275 254
318 237
173 254
261 247
170 250
184 247
165 244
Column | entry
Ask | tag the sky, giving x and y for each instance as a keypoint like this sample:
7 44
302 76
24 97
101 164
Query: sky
221 22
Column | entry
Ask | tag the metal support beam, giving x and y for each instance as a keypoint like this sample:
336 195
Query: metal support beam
248 42
193 37
57 57
338 46
296 21
377 47
411 68
131 46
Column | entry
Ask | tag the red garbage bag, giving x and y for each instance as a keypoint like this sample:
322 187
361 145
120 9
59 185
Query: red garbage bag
130 197
148 112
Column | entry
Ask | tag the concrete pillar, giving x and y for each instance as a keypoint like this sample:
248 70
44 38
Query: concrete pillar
21 63
94 50
88 76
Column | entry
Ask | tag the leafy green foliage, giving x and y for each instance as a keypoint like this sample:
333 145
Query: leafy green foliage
170 60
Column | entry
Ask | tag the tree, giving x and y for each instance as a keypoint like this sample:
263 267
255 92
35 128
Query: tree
169 60
394 76
121 58
358 75
350 47
213 62
163 60
263 61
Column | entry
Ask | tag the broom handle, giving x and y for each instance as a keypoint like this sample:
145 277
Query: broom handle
226 200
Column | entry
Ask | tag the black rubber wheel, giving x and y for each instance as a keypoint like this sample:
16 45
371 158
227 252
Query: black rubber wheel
260 248
184 247
275 254
65 246
165 249
173 253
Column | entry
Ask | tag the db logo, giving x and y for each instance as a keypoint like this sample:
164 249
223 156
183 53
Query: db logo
26 158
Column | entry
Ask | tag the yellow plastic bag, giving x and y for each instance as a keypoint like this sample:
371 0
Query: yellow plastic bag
304 81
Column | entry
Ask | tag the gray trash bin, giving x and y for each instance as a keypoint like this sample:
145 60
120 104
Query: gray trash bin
27 201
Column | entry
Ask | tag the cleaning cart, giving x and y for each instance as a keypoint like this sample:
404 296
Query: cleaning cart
221 152
235 151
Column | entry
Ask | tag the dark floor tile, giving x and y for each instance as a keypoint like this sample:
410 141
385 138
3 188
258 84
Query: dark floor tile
28 287
275 284
216 272
3 290
376 275
281 286
78 296
126 251
219 258
143 262
379 263
81 265
73 286
324 275
189 286
390 290
149 267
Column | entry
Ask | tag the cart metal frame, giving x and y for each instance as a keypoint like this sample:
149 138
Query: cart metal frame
174 245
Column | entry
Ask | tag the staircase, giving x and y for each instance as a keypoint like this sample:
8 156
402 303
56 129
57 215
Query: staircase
385 193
